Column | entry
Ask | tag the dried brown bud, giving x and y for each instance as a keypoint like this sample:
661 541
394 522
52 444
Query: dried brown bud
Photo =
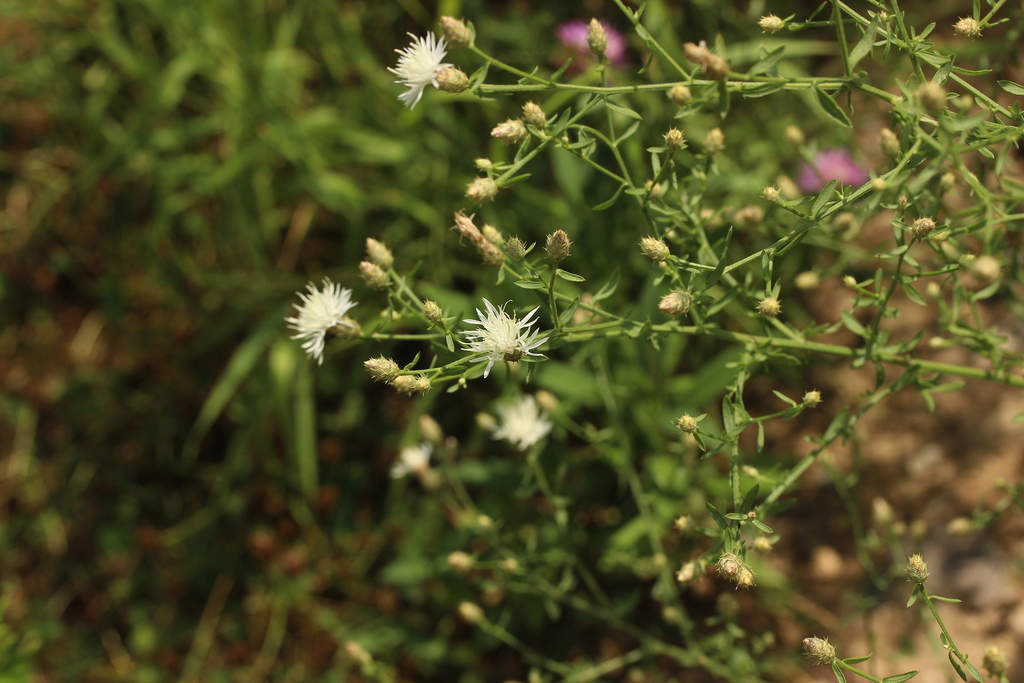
515 248
922 227
558 245
820 650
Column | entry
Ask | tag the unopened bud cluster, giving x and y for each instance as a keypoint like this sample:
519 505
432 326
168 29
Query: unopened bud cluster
482 190
373 275
812 398
452 80
714 142
994 661
967 27
456 33
922 227
676 303
674 140
432 311
730 566
687 424
771 23
378 253
534 115
680 95
917 569
819 650
770 307
654 249
932 97
382 369
557 245
411 384
512 131
597 37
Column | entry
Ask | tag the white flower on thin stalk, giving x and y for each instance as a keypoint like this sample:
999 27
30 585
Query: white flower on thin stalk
419 65
412 459
522 423
321 310
501 336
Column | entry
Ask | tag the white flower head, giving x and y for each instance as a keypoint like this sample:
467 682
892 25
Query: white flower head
412 459
418 66
522 423
501 336
320 311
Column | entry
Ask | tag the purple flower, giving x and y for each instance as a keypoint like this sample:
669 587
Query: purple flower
573 34
829 165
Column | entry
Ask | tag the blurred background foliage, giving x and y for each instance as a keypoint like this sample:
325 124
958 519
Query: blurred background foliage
182 494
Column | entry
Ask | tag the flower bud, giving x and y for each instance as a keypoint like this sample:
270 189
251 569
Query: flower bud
430 430
771 24
547 401
654 248
357 652
728 566
456 33
744 577
512 131
656 191
674 140
534 115
676 303
986 268
482 190
492 234
820 650
807 280
515 249
947 181
771 195
849 281
382 369
483 164
932 97
967 27
411 384
688 572
680 95
922 227
460 561
698 54
794 136
490 253
471 612
879 184
762 544
961 526
687 424
378 253
452 80
558 245
714 142
683 524
994 661
510 565
432 311
812 398
373 275
882 512
716 68
597 39
889 142
770 307
917 569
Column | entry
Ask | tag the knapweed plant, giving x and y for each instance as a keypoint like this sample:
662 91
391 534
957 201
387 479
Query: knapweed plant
636 295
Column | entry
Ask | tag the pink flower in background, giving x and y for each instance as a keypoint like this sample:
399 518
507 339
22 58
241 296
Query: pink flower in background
573 34
829 165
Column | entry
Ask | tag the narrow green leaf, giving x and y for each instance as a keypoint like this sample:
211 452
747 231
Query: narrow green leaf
760 439
863 48
971 669
569 277
840 676
762 526
716 274
913 294
899 678
1011 87
851 324
767 62
784 398
761 90
942 599
823 197
609 287
748 500
625 111
831 108
529 284
716 515
858 660
893 253
956 666
565 316
914 595
609 202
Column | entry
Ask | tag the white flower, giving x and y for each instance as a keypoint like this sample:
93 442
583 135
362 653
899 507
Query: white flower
419 65
501 336
412 459
522 423
320 311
